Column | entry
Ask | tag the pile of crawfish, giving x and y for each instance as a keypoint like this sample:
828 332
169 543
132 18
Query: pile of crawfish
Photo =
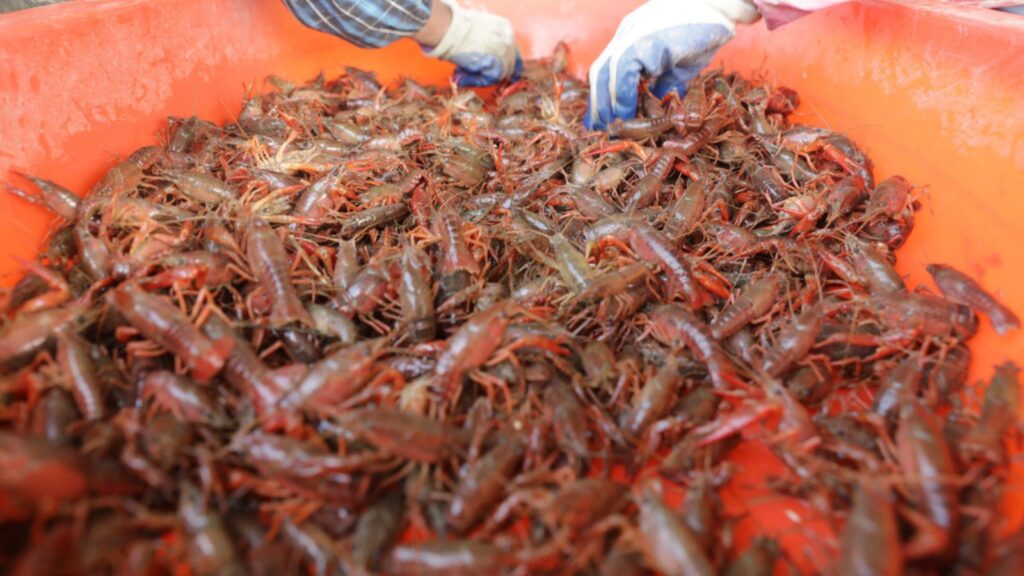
416 330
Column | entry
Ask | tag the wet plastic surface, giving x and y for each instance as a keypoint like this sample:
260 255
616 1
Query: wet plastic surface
933 92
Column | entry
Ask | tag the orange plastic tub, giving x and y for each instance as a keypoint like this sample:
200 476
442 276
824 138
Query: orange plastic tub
933 92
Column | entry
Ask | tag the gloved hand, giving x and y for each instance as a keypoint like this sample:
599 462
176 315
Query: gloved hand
671 40
482 46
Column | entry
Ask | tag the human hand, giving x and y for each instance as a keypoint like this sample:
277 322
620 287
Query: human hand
669 40
482 46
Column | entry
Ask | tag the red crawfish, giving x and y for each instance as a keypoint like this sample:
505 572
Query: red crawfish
483 483
185 399
27 334
74 358
671 546
755 301
958 287
873 267
243 368
269 262
37 470
927 463
461 558
586 501
201 187
471 346
871 540
794 341
377 530
55 197
675 326
162 322
654 400
457 266
998 415
410 436
569 418
211 548
331 381
275 455
415 295
924 315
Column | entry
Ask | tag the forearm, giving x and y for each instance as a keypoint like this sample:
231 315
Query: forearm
437 24
370 23
779 12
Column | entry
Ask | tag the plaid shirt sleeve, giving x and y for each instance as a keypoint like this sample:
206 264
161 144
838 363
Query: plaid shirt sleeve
365 23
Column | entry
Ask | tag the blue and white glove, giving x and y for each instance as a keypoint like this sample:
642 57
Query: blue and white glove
670 40
482 46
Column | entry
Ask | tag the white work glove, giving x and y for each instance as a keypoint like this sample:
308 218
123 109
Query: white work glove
670 40
482 46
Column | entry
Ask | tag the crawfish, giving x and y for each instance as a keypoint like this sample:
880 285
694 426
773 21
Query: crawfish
457 265
346 266
36 469
56 198
415 295
243 368
614 282
671 545
471 346
654 399
201 187
693 141
925 315
334 379
874 268
899 386
315 201
409 436
646 191
460 558
653 246
586 501
641 128
160 321
356 222
686 212
755 301
202 267
870 545
53 413
27 334
794 341
185 399
958 287
211 549
998 414
377 531
846 195
331 323
268 259
926 460
483 483
569 418
274 455
73 356
694 107
674 326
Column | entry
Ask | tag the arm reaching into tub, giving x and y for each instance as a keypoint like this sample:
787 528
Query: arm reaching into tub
671 41
482 46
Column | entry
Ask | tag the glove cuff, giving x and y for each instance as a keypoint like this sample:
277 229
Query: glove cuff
456 34
740 11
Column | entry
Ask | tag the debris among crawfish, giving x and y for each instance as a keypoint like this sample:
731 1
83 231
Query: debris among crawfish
363 312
